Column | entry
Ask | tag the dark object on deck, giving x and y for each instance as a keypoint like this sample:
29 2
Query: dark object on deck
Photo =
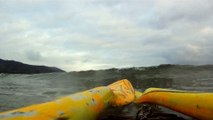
153 112
118 118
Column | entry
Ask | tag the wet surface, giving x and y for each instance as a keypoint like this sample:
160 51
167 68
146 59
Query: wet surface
22 90
155 112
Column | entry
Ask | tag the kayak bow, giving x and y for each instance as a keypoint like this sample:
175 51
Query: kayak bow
89 104
195 104
80 106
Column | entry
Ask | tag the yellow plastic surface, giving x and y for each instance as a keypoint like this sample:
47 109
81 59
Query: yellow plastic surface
123 91
196 104
85 105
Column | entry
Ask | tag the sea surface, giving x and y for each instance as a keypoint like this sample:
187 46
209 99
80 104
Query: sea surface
18 90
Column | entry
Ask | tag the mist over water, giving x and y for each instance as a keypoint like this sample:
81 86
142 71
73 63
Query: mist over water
18 90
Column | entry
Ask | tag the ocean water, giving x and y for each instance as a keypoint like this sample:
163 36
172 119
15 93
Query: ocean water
18 90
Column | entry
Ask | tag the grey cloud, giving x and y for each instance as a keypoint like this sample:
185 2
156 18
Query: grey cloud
176 11
189 55
77 35
33 55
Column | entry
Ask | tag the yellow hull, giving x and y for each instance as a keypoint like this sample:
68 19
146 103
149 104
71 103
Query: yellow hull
85 105
195 104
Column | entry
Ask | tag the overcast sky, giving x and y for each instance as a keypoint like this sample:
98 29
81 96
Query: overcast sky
100 34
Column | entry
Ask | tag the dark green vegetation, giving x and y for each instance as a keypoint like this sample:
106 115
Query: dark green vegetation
9 66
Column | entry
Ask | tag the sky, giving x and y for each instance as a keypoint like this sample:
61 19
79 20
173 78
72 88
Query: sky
77 35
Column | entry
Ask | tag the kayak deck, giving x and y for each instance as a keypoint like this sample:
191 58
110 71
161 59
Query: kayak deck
93 103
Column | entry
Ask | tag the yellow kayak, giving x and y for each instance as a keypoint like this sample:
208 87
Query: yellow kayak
195 104
86 105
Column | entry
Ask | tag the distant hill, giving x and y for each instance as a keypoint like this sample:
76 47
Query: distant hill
10 66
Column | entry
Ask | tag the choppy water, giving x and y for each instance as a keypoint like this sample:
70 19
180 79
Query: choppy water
20 90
